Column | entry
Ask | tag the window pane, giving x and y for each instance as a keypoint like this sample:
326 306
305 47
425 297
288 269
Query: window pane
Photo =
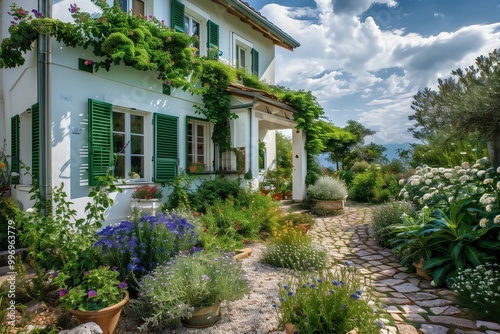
136 144
186 24
119 143
123 4
195 28
137 165
190 143
120 167
118 121
242 58
138 7
136 124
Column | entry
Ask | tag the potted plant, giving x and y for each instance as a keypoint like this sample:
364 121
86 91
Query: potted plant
330 301
146 198
328 194
98 297
188 290
196 167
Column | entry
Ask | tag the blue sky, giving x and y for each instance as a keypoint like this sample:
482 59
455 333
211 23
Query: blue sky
364 60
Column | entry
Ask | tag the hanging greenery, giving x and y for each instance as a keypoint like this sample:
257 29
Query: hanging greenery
116 37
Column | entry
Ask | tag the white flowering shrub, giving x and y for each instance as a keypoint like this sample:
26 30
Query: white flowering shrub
327 187
478 289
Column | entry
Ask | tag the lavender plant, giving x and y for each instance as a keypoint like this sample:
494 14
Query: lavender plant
187 282
137 247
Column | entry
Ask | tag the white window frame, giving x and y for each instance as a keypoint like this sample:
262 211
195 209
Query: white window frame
240 44
202 18
208 149
147 4
147 144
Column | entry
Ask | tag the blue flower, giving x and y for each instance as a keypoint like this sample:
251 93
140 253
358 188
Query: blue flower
290 293
336 283
285 286
344 306
354 296
282 299
332 291
380 324
312 286
320 280
358 292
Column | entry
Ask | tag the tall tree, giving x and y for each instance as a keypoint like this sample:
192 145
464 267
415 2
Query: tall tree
337 141
465 105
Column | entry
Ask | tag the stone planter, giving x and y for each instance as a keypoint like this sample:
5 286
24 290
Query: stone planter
150 206
328 206
107 318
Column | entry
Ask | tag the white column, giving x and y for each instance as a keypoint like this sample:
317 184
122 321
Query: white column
299 160
252 154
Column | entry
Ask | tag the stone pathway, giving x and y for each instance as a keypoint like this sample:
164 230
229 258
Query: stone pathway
413 303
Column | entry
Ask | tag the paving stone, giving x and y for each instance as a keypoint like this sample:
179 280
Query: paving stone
397 301
401 275
433 329
391 281
393 309
406 329
488 324
447 320
459 331
492 332
396 317
414 317
433 302
398 295
413 309
451 310
406 287
421 296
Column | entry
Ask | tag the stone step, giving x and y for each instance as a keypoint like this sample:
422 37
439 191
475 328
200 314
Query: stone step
293 207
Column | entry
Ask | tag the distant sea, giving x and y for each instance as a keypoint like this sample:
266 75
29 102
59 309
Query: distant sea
391 153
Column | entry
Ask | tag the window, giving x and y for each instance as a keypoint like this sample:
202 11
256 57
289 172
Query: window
245 56
114 132
192 28
193 21
241 56
128 144
199 145
136 6
14 149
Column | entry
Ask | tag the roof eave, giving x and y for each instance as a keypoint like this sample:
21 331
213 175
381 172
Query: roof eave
259 23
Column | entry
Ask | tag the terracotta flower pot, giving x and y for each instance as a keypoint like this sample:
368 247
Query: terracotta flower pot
420 272
107 318
203 317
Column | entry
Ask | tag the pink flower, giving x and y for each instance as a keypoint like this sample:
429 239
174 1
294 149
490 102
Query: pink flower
88 62
63 292
92 293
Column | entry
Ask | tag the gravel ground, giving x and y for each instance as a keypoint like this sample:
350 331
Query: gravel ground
252 314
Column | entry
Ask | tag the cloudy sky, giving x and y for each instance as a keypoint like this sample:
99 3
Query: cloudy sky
364 60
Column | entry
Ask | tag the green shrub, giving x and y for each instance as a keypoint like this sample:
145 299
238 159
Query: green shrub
290 248
478 289
364 185
360 167
331 301
386 215
327 187
210 191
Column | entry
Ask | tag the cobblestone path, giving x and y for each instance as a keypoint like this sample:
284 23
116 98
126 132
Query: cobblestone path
413 303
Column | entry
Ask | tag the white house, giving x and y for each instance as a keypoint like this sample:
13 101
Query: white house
154 131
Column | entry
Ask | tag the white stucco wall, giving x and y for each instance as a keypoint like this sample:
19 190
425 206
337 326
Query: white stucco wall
70 89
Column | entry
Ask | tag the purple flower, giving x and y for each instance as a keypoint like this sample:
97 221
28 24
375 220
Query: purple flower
312 286
86 273
73 8
380 324
115 268
122 285
54 274
92 293
63 292
332 291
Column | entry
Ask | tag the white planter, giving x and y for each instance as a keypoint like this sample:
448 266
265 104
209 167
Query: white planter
150 206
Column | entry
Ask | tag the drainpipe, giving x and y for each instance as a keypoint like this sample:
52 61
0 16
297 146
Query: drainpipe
44 7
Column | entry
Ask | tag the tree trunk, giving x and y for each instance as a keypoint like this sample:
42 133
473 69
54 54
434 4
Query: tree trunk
493 146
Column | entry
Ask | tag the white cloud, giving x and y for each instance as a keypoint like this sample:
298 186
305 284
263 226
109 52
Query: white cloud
339 55
439 14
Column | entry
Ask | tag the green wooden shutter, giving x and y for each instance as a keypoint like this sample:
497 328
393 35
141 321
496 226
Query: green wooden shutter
165 147
35 143
255 62
100 116
213 37
177 18
14 148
